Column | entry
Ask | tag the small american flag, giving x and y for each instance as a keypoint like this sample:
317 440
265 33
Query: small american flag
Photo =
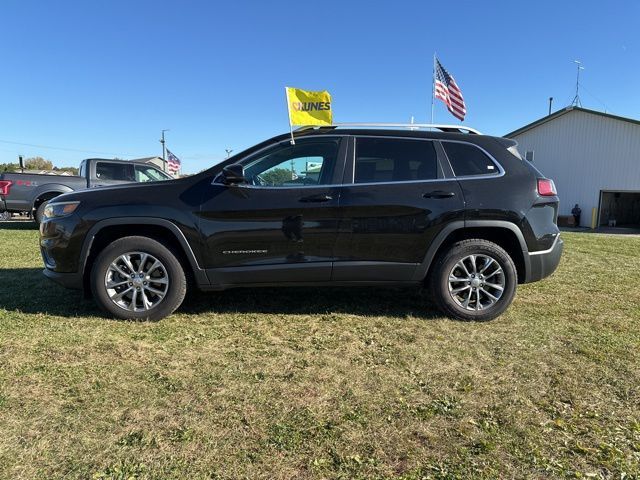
173 162
447 90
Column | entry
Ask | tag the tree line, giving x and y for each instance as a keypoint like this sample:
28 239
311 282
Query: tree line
37 163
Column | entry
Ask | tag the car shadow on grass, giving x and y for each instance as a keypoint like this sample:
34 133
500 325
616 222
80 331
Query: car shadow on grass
366 301
27 290
18 225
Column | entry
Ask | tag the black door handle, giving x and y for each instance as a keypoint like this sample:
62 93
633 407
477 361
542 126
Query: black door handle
439 194
316 198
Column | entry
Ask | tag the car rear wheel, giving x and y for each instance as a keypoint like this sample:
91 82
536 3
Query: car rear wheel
137 278
474 280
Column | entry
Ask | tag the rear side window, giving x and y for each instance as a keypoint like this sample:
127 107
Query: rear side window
394 160
467 159
114 171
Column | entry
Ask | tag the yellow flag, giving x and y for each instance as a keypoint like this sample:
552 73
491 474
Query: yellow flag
309 108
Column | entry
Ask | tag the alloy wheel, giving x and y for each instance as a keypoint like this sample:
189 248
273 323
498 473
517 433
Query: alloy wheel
136 281
476 282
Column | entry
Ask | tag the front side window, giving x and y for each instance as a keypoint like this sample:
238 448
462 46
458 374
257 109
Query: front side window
114 171
306 163
394 160
146 173
467 159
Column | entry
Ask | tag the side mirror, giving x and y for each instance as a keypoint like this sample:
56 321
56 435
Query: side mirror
233 174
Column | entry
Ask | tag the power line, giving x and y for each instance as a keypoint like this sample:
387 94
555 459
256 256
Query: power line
65 149
606 108
8 151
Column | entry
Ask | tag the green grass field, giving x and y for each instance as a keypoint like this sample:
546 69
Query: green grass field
332 383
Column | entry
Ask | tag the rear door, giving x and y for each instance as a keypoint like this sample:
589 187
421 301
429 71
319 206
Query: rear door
395 200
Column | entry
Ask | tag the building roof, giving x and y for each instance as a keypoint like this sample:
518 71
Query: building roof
566 110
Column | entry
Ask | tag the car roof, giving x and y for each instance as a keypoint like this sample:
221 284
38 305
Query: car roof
402 132
118 160
485 141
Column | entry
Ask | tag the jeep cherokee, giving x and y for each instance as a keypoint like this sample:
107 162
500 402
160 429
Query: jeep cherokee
457 212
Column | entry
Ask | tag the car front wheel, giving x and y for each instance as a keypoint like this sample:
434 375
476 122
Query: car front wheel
474 280
137 278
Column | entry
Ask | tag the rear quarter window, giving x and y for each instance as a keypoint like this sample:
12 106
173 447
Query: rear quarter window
467 159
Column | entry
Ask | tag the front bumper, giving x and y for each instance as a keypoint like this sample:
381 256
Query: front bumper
61 247
67 280
544 263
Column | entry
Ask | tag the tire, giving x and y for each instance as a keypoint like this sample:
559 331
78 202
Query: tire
458 298
136 298
39 213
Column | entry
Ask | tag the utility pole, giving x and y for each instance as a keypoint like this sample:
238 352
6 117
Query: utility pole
550 103
228 150
164 151
576 99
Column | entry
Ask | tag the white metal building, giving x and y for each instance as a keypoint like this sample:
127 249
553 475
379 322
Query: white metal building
594 159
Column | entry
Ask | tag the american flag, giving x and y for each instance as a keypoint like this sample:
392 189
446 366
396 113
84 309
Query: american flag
447 90
173 162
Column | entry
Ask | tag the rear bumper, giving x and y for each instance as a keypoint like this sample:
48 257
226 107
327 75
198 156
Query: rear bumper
67 280
544 263
13 206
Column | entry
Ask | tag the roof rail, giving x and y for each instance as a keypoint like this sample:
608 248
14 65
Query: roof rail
410 126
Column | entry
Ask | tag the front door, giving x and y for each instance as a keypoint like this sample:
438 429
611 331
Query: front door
394 201
281 226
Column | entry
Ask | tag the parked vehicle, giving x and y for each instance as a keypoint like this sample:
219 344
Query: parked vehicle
460 213
29 192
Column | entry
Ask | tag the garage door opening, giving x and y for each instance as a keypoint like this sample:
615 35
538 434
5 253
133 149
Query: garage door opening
619 209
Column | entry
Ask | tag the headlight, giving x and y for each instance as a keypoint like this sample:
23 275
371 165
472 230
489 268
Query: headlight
62 209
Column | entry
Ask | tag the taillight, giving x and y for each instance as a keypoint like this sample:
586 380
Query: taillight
546 187
5 185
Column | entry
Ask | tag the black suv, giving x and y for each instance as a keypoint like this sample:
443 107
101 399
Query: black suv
458 212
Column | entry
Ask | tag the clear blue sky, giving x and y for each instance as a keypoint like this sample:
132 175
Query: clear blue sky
108 76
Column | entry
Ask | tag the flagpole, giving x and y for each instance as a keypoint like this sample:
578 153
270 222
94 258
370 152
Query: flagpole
164 151
433 86
286 92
